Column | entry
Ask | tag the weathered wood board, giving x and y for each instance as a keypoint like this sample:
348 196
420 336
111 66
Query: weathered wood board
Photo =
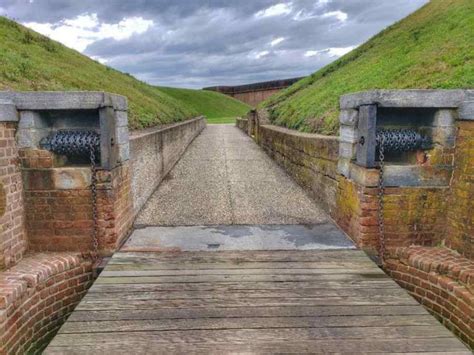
249 302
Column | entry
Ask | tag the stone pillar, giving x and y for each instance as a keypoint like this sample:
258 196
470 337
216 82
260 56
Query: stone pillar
58 204
419 183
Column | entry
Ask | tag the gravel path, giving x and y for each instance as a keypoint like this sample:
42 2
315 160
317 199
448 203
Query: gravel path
225 178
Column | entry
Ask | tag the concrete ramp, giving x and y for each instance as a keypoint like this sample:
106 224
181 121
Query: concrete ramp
324 236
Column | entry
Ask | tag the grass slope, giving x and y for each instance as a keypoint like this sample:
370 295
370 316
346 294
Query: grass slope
218 108
30 61
431 48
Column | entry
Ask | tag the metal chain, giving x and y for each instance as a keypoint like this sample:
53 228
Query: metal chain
381 193
95 225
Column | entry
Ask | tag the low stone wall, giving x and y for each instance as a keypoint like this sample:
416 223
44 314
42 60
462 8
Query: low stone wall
440 280
242 123
154 152
310 159
36 296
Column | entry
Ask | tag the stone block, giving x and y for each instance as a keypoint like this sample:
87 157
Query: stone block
122 135
444 118
124 152
30 138
121 118
364 176
343 167
349 117
8 112
444 136
64 100
347 150
466 111
406 98
31 120
412 175
348 134
71 178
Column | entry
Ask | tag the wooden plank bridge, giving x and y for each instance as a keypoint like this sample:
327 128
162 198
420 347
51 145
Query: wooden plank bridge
295 288
251 302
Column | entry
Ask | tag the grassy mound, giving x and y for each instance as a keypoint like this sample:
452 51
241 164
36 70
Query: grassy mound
431 48
217 107
30 61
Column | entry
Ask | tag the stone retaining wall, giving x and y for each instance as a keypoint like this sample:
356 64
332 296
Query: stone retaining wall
154 152
309 158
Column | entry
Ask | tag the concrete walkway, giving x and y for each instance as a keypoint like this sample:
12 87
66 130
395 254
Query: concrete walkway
225 178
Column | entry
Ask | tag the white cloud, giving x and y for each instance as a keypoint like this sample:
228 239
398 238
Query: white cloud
277 41
341 16
303 15
83 30
312 53
99 59
83 21
340 51
275 10
261 54
331 52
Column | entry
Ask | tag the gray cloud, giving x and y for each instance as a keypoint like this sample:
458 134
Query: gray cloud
219 42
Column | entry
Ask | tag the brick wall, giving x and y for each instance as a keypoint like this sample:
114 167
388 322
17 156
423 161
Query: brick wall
59 206
36 296
253 98
440 280
460 233
411 215
12 232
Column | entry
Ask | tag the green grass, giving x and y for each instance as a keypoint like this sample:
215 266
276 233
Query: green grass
431 48
30 61
218 108
221 120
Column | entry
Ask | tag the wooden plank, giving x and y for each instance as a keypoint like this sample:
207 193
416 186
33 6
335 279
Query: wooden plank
238 278
239 256
236 286
228 302
248 294
160 265
246 323
199 272
104 304
223 336
348 346
239 312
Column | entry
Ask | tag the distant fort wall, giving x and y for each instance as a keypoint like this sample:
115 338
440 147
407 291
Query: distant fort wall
253 94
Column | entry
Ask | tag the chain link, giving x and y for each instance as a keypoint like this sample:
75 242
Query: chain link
381 193
95 225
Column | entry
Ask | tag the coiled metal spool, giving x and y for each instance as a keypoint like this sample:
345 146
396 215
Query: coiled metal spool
399 140
73 142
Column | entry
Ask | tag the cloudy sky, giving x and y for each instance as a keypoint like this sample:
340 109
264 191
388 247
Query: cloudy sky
197 43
